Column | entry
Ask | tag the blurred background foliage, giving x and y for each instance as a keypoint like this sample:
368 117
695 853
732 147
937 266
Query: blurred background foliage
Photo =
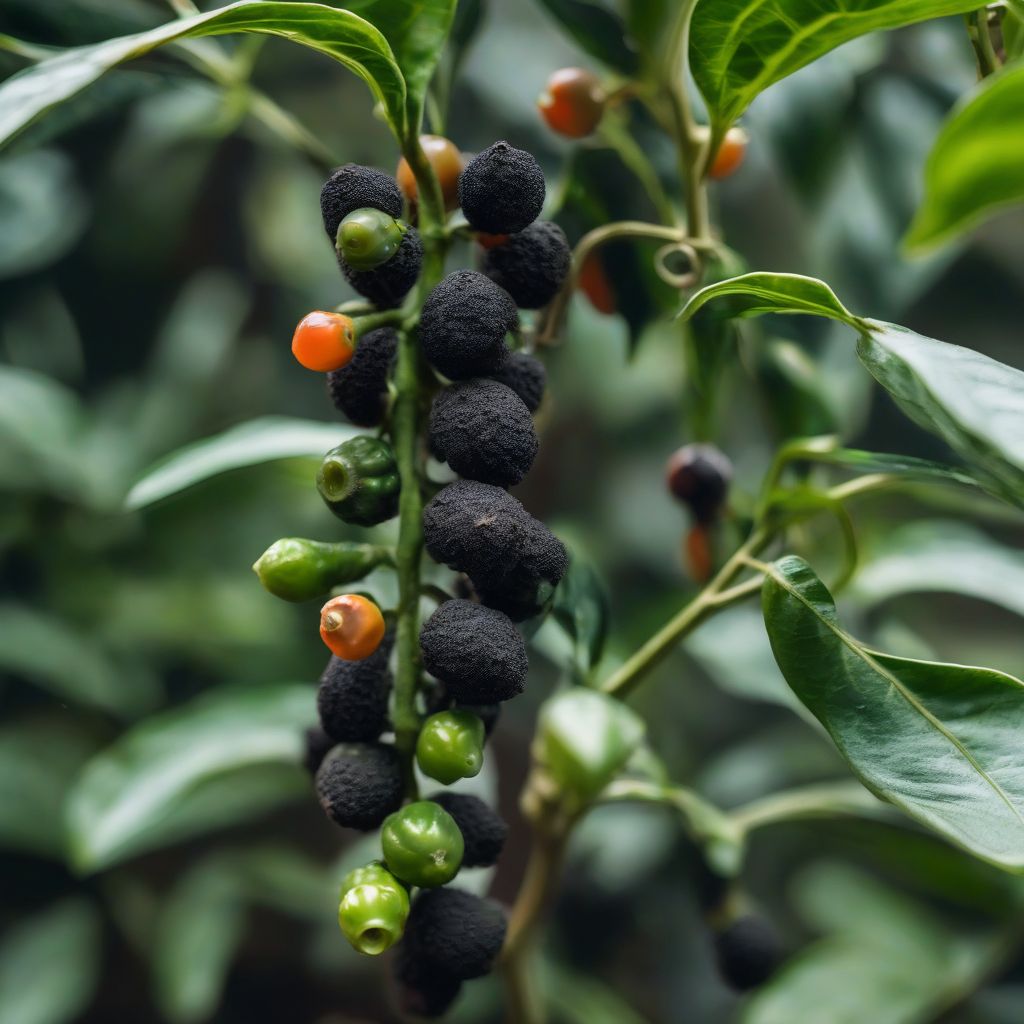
162 856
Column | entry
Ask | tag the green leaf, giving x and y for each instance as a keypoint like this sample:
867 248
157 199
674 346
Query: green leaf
938 741
977 164
225 757
416 31
339 34
581 609
596 30
758 293
907 466
248 444
49 965
932 556
740 47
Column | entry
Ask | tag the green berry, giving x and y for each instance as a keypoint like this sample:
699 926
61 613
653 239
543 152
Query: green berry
374 873
422 844
359 481
367 238
451 746
372 915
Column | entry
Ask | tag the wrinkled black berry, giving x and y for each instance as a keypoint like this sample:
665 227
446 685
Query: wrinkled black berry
463 325
748 951
531 265
385 286
354 187
360 784
513 560
353 696
423 990
475 651
501 190
359 389
699 475
457 933
483 430
483 829
526 376
317 743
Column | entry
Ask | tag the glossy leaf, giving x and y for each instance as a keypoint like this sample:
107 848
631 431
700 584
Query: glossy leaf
934 556
740 47
938 741
342 35
223 758
977 164
596 30
249 444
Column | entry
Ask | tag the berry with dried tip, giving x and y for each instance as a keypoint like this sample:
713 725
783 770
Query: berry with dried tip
372 915
354 187
463 325
352 698
422 845
501 190
359 390
531 265
730 154
483 830
450 746
523 373
475 651
367 238
458 933
423 990
483 430
573 102
360 784
699 476
388 284
444 157
324 341
748 951
351 626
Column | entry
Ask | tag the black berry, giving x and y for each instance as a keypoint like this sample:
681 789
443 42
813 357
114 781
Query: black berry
483 430
463 325
501 190
457 933
423 990
317 743
748 951
525 375
483 830
359 389
475 651
385 286
360 784
531 265
354 187
699 476
353 697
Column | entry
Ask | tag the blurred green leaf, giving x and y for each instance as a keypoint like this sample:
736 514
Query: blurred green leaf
227 756
248 444
794 388
961 723
977 163
1012 27
907 466
596 30
341 35
49 965
740 47
581 609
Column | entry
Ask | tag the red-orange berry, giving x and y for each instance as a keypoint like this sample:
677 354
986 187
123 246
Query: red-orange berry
324 341
573 102
444 156
730 154
351 626
486 241
594 283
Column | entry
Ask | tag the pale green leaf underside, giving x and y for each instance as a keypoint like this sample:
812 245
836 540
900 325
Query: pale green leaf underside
248 444
977 163
740 47
939 741
342 35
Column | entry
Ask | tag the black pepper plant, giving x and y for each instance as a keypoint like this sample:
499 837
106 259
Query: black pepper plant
439 368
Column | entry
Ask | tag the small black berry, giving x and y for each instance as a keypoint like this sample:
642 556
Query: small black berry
525 375
475 651
360 784
463 325
699 475
501 190
423 990
354 187
317 744
483 430
457 933
483 830
748 951
531 265
353 697
359 389
385 286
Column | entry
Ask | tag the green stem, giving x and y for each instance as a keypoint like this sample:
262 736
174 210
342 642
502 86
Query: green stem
824 800
981 41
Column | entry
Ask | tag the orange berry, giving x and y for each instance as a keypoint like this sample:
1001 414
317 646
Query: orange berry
487 241
698 553
573 102
324 341
444 156
351 626
730 154
594 283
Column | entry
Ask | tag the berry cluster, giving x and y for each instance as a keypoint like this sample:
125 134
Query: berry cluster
480 423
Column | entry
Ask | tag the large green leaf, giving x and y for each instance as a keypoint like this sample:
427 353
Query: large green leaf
249 444
977 163
740 47
345 36
939 741
225 757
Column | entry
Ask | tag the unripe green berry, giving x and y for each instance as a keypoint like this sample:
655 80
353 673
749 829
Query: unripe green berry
367 238
451 746
372 916
359 481
374 873
422 844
